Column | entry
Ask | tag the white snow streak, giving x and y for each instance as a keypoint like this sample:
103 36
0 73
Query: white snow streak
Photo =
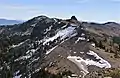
68 32
48 29
102 63
79 38
81 52
19 76
51 50
72 24
83 63
29 54
13 46
33 25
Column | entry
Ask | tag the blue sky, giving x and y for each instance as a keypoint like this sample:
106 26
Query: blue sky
86 10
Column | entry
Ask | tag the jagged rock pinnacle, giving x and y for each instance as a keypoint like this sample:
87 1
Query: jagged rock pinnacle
73 18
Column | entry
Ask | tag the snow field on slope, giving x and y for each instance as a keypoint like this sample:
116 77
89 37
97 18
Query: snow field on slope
84 63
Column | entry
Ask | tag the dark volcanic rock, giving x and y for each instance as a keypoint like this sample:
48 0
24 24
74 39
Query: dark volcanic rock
73 18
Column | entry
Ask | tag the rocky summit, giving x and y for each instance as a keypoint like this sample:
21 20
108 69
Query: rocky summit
45 47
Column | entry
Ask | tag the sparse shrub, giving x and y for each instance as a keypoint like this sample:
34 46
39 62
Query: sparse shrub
115 74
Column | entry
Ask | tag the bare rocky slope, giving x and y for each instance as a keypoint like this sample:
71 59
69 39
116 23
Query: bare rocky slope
46 47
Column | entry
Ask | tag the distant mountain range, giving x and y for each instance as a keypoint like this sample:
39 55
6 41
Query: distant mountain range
9 22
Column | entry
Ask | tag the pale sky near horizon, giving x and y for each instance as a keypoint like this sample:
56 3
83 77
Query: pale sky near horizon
86 10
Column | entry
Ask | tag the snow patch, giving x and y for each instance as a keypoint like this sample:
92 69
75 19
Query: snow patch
48 29
49 51
84 63
55 20
72 24
29 54
65 33
88 39
79 38
81 52
37 70
31 51
33 25
59 22
102 63
82 28
74 52
13 46
23 57
64 26
82 34
19 76
35 60
93 44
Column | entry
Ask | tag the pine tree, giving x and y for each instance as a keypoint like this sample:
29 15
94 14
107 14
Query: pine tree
100 44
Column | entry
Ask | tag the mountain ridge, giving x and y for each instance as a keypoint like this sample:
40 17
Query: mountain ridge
9 22
44 44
